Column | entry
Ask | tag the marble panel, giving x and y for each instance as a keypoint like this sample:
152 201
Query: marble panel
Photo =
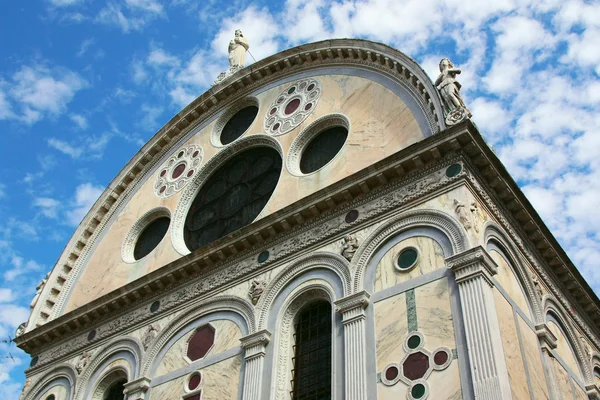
533 358
509 282
579 392
60 393
512 349
563 380
381 124
445 385
431 258
391 328
563 349
227 336
434 314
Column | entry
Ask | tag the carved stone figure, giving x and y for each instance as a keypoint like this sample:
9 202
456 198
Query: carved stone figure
474 210
237 50
256 290
349 246
83 361
449 89
21 329
38 291
538 288
463 215
149 336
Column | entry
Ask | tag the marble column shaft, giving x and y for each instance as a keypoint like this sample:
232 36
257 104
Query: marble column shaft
473 270
255 346
352 309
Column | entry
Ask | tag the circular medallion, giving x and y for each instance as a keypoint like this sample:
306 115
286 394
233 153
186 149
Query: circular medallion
178 170
292 106
456 116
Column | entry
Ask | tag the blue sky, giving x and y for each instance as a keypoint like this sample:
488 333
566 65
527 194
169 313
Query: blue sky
84 83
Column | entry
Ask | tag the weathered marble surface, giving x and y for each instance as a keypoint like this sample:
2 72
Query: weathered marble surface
220 382
579 392
431 258
512 349
509 282
435 315
381 124
564 349
563 380
533 358
227 336
59 392
390 329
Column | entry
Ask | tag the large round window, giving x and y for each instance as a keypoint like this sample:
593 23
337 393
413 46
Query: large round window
322 149
151 237
233 196
238 124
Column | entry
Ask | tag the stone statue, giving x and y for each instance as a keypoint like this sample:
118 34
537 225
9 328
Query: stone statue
38 291
463 216
256 290
349 247
149 336
237 56
83 361
21 329
449 88
237 50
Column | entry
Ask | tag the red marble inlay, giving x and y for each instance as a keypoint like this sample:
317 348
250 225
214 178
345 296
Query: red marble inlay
440 358
292 106
195 154
163 173
162 189
276 126
391 373
310 87
415 366
201 342
273 111
194 397
178 171
308 107
180 154
190 173
194 381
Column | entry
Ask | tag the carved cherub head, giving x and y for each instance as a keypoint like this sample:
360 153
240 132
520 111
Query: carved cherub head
238 33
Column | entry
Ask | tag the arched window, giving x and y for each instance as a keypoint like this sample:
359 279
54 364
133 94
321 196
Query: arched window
115 391
311 376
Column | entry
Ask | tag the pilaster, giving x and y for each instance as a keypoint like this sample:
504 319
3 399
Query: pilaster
255 346
547 344
473 270
137 389
352 309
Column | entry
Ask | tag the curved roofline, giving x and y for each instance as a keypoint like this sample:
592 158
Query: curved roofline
336 52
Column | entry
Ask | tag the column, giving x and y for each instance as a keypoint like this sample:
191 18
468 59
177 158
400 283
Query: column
473 270
136 390
547 344
352 309
255 345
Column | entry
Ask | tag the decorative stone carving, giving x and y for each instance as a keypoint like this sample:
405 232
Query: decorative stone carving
21 329
292 106
137 389
83 361
463 215
255 346
38 291
474 215
449 88
349 246
26 387
538 288
178 170
237 56
150 335
256 290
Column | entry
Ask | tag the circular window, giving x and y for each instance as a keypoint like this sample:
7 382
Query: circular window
234 122
34 361
292 106
233 196
351 216
151 237
91 335
407 259
318 144
177 171
155 306
453 170
264 256
146 234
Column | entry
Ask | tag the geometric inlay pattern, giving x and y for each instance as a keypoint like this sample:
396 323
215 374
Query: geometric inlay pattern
201 342
178 170
292 106
416 366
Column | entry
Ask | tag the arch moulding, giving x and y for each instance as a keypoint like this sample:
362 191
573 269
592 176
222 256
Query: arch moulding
62 371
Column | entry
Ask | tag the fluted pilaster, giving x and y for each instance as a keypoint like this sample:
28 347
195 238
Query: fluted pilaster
352 309
255 345
473 270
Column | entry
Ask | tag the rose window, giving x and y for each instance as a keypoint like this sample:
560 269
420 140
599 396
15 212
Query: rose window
179 169
292 106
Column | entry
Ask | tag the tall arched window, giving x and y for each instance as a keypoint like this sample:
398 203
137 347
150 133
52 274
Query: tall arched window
311 376
115 391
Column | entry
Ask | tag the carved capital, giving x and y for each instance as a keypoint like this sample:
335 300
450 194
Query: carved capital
255 344
593 392
546 337
353 307
137 389
471 264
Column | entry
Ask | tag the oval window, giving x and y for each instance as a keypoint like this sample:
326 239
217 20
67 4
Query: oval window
238 124
232 197
322 149
151 237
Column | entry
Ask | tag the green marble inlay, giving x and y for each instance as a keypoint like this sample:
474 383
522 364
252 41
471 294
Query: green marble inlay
411 311
455 354
379 377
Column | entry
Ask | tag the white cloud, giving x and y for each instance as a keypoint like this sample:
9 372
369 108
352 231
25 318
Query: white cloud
6 295
63 3
85 46
79 120
65 148
48 207
132 15
85 196
86 146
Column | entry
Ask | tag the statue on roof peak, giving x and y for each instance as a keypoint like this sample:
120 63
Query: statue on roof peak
449 88
237 55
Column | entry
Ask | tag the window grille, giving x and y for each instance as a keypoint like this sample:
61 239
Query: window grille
311 376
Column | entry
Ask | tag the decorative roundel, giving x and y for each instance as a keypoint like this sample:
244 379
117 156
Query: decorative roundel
292 106
178 170
407 259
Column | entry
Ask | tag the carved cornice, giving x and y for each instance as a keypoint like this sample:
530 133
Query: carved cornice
255 341
349 303
546 336
473 263
330 53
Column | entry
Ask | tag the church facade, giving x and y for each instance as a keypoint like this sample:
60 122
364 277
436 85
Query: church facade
324 224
